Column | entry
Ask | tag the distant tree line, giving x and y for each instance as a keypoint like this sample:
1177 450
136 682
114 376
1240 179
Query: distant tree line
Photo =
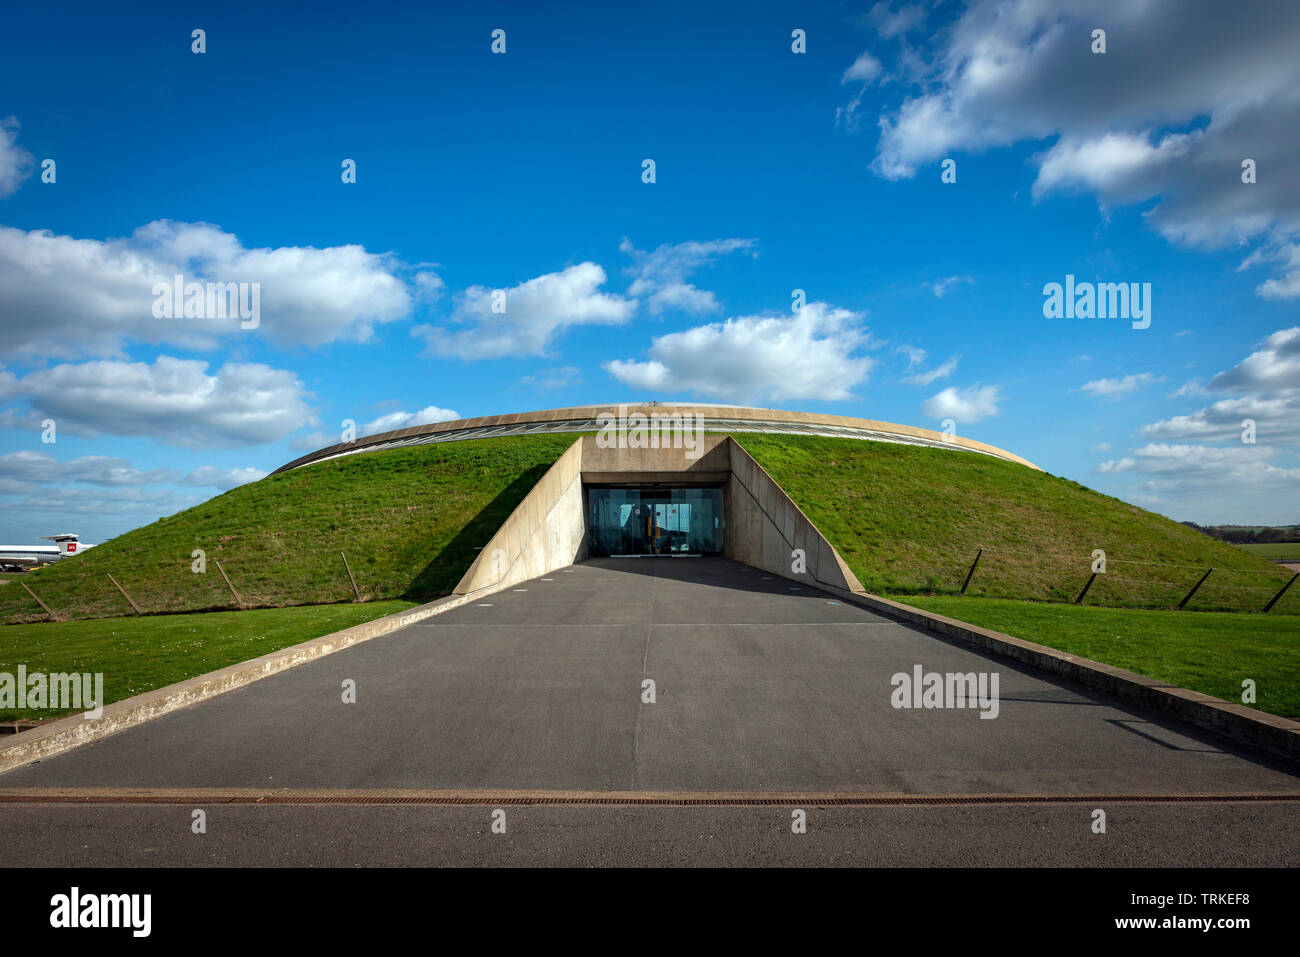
1249 534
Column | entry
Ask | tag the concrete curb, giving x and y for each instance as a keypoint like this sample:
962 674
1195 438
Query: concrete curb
1256 729
75 730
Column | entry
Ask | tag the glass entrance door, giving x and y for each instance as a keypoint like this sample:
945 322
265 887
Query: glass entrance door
654 521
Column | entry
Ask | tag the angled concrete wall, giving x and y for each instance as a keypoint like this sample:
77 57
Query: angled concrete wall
764 527
546 531
709 462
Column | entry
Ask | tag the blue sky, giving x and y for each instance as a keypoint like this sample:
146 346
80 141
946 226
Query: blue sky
522 172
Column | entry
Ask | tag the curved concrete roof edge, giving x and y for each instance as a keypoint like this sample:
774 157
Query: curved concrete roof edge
707 412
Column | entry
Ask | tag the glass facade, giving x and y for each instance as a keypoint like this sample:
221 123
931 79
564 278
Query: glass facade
654 521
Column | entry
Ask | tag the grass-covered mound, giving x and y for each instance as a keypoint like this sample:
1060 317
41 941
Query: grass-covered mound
910 519
410 520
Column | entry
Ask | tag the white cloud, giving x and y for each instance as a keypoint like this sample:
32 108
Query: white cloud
224 479
71 298
1101 447
41 468
27 466
940 287
111 471
558 377
661 274
1113 163
1190 388
536 312
1263 387
890 23
1118 465
964 405
941 371
135 502
808 355
1236 484
1198 464
1169 112
1274 366
174 401
1123 386
312 441
1287 285
15 162
915 355
864 69
404 420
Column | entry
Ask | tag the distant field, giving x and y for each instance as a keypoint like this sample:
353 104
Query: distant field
1285 550
410 520
910 520
1208 652
141 654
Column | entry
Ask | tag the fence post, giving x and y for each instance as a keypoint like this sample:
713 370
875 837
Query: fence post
1271 602
128 598
972 570
1086 586
228 585
350 578
53 617
1188 596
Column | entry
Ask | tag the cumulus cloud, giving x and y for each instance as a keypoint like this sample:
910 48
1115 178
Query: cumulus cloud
1264 387
42 468
1234 484
864 69
1169 112
132 503
1108 388
223 479
174 401
15 162
1202 464
536 313
661 274
964 405
808 355
71 298
403 420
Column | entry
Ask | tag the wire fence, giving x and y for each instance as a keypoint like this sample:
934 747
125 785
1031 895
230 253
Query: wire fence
1030 573
226 584
1210 587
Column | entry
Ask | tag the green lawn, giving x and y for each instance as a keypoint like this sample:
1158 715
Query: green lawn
1210 652
910 520
1287 550
411 521
140 654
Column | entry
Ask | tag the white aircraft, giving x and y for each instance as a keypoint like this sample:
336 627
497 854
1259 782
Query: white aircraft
13 557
